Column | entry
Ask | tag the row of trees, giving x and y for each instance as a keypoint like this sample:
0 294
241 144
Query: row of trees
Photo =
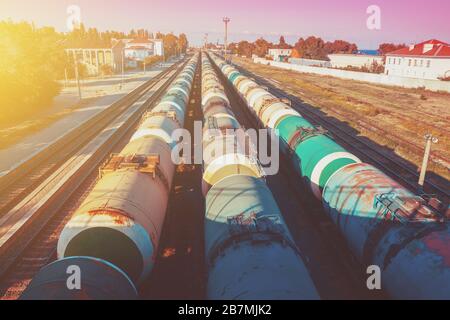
174 44
309 48
32 59
388 47
92 38
316 48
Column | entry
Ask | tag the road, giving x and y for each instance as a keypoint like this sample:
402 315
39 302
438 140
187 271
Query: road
30 145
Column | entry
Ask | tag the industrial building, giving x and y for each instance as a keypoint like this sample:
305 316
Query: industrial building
310 62
344 60
95 58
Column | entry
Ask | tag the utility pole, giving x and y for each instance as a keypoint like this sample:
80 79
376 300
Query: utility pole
206 41
428 140
226 20
123 67
77 78
65 78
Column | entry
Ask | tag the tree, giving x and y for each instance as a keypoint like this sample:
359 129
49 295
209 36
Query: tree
245 48
31 61
340 46
311 48
132 34
92 39
170 44
315 48
233 47
282 44
261 47
389 47
295 53
183 42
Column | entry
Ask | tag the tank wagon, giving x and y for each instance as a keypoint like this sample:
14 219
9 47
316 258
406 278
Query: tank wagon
115 233
223 154
250 253
384 224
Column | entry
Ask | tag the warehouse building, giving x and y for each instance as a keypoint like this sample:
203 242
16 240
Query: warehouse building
132 50
343 60
95 58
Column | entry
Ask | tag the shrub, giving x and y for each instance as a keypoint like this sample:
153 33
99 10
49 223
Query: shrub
28 71
106 70
152 60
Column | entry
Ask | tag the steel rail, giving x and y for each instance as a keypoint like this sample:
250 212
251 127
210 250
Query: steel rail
47 215
337 277
393 167
20 181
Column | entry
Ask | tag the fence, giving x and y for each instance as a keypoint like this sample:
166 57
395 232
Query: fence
389 80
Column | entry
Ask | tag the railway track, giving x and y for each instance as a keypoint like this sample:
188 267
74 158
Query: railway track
333 266
43 248
20 181
179 270
402 172
335 271
32 247
436 156
419 117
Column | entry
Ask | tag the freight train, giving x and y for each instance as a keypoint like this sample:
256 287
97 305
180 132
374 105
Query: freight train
385 225
250 253
112 239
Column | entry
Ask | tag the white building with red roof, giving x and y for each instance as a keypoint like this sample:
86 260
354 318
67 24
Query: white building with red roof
426 60
136 50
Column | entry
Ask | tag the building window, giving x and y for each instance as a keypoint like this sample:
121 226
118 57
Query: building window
421 62
428 63
409 62
399 61
415 63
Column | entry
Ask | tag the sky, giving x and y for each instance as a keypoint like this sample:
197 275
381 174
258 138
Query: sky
401 21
